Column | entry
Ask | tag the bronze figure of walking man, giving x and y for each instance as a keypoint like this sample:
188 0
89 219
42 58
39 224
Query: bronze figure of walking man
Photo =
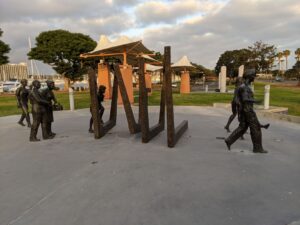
247 115
22 94
38 112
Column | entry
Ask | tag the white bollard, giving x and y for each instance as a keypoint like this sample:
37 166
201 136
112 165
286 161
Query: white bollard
241 71
267 97
206 88
71 97
223 79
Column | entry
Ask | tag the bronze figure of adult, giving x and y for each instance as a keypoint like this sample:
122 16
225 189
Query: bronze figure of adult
49 96
39 113
248 117
235 104
100 97
22 94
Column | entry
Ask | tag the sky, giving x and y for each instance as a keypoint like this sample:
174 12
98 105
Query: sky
200 29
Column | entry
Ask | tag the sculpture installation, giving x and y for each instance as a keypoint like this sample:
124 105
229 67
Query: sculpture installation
39 113
247 115
100 129
22 94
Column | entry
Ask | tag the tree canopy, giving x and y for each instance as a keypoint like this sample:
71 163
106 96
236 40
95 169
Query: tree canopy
233 60
61 50
294 72
201 71
4 49
259 56
262 55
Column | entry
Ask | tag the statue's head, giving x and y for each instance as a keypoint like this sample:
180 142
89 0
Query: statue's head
102 89
239 81
24 82
50 84
36 84
250 74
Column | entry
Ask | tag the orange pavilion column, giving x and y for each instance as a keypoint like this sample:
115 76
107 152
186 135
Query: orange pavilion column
185 82
104 79
148 83
126 71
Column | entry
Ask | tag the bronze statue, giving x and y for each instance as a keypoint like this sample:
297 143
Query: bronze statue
39 113
100 98
22 94
235 104
49 96
247 116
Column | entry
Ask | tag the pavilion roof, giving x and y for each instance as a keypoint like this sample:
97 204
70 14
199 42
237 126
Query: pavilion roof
152 68
184 62
120 45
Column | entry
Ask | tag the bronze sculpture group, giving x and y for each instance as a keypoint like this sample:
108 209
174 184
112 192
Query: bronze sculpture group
43 101
242 105
42 108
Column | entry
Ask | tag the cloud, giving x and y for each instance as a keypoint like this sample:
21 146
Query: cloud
16 10
237 25
169 12
201 29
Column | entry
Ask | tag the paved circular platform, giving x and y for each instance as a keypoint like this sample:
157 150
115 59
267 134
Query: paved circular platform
77 180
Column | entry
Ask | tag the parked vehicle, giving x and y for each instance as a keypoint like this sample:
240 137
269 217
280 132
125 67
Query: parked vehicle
10 86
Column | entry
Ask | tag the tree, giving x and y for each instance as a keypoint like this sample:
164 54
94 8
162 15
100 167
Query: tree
233 60
286 54
200 71
279 56
4 49
61 50
261 53
158 56
297 53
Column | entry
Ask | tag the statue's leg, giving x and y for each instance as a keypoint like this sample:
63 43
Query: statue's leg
91 125
25 108
255 132
45 120
101 112
232 116
28 120
236 134
34 127
23 116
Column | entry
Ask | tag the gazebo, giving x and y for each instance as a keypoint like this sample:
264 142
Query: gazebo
127 51
184 66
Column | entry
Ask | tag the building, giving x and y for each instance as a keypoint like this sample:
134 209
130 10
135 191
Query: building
13 71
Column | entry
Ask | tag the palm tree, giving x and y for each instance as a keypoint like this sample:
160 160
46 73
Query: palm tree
279 56
297 53
270 63
286 54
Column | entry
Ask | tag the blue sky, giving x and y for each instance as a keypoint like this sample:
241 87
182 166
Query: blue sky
200 29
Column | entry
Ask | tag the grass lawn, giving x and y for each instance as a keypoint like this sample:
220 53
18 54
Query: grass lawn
280 96
8 103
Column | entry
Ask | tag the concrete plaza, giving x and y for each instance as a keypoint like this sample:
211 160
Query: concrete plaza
77 180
